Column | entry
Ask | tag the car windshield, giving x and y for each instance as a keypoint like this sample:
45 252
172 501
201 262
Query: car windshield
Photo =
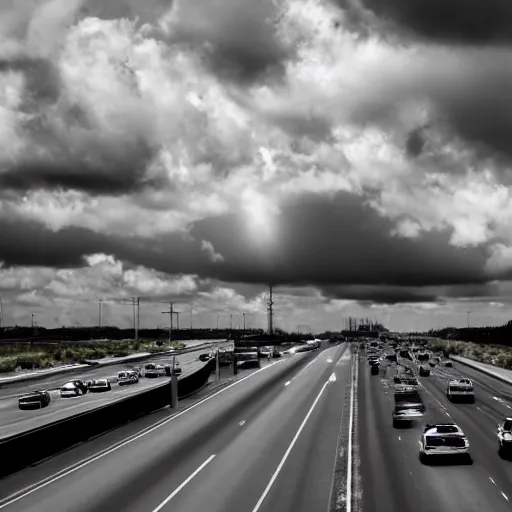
460 388
507 426
449 441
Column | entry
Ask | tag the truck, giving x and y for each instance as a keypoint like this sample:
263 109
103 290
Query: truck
408 407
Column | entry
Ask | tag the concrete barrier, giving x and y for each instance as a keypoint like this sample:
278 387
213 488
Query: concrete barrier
477 366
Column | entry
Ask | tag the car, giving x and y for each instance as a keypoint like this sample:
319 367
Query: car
448 363
505 437
460 390
99 385
153 370
34 400
443 440
127 377
374 369
177 369
424 371
73 388
406 413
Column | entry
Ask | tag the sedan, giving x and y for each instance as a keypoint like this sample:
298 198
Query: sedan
34 400
73 388
127 377
99 385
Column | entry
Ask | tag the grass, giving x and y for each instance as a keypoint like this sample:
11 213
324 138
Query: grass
496 355
24 356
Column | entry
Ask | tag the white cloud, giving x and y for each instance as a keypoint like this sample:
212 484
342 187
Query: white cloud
208 248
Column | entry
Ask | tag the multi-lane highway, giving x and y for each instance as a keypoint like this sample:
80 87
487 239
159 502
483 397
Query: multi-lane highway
14 420
270 441
393 478
266 442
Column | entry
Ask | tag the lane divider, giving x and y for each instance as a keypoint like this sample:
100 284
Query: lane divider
288 451
178 489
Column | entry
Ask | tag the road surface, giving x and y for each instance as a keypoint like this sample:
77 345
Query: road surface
394 480
14 420
266 443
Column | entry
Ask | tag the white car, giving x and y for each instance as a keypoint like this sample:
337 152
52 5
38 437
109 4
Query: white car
505 437
99 385
442 440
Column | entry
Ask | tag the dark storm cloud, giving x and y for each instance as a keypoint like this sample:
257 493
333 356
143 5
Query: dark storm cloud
340 241
29 244
378 294
456 21
337 245
101 170
237 38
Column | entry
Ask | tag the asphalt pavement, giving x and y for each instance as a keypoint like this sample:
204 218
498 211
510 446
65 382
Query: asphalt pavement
266 442
13 420
393 478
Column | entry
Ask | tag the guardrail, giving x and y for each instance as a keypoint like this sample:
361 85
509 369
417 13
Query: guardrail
21 450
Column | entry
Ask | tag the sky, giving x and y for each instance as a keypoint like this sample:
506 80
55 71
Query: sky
354 153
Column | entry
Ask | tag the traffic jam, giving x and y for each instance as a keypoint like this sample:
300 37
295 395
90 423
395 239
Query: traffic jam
444 441
77 388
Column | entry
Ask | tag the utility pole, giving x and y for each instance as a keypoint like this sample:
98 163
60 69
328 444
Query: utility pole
217 321
191 317
270 313
2 324
230 321
100 302
244 320
170 313
138 316
33 320
135 304
469 313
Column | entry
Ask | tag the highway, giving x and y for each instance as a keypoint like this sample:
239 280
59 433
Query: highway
266 442
14 420
394 480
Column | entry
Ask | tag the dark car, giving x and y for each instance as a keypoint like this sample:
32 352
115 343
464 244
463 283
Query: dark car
34 400
127 377
73 388
424 371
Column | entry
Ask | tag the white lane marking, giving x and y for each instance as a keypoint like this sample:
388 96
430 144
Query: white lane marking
349 455
492 480
329 360
288 383
509 407
79 465
332 378
399 438
447 414
432 396
504 495
242 423
288 451
178 489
